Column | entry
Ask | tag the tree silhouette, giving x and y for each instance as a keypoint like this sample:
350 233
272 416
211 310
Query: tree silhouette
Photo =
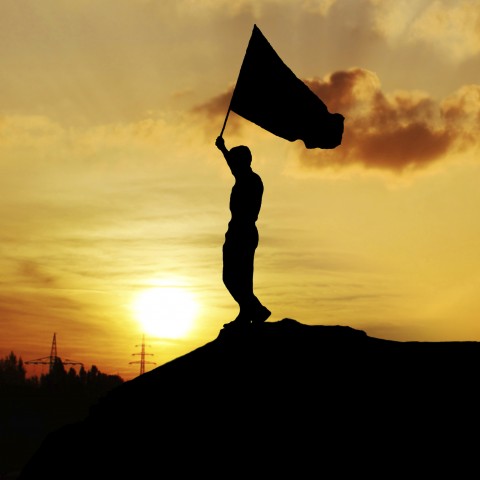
30 408
12 370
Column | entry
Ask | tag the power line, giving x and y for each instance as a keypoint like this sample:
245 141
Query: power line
142 354
53 358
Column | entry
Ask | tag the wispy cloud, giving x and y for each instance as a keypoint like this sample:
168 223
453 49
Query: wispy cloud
450 28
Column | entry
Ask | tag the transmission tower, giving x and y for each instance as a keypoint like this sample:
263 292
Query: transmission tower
142 354
52 358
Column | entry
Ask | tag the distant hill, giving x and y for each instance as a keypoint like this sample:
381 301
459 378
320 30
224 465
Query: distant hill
281 400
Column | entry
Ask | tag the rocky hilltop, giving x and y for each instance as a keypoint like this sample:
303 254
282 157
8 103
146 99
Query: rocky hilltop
285 400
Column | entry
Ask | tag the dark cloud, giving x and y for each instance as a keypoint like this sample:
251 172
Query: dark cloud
401 131
32 273
404 130
213 111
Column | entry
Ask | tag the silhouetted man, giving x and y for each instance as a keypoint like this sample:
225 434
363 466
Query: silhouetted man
241 238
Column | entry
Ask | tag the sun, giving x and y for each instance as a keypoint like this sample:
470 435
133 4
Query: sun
166 312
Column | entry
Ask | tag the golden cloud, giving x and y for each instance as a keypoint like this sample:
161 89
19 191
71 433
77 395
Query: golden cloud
28 131
399 131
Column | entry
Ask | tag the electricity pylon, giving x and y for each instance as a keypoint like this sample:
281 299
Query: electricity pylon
142 354
53 358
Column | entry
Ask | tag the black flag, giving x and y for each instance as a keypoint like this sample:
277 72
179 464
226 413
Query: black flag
269 94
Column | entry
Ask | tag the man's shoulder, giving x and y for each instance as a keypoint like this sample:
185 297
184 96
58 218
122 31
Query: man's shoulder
252 179
256 181
257 177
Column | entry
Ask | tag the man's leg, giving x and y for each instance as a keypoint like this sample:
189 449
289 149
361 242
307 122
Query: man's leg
238 267
233 278
251 308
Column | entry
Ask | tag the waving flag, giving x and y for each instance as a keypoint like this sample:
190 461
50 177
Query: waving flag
269 94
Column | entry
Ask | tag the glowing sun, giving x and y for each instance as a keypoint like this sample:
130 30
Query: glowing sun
166 312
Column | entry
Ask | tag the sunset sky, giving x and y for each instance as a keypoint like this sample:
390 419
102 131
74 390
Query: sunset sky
112 185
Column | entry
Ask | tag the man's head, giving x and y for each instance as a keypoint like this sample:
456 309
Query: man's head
241 154
240 158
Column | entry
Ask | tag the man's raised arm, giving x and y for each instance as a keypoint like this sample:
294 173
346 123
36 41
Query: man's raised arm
220 143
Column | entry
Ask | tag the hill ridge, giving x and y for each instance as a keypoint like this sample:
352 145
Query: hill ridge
281 397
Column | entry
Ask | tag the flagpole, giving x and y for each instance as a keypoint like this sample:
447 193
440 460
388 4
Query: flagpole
233 93
226 118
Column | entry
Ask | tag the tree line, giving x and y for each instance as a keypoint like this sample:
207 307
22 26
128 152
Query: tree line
31 408
13 374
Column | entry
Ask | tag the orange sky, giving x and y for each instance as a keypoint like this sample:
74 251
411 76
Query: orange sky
112 185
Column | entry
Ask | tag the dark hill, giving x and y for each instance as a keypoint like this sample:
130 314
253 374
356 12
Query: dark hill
282 400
